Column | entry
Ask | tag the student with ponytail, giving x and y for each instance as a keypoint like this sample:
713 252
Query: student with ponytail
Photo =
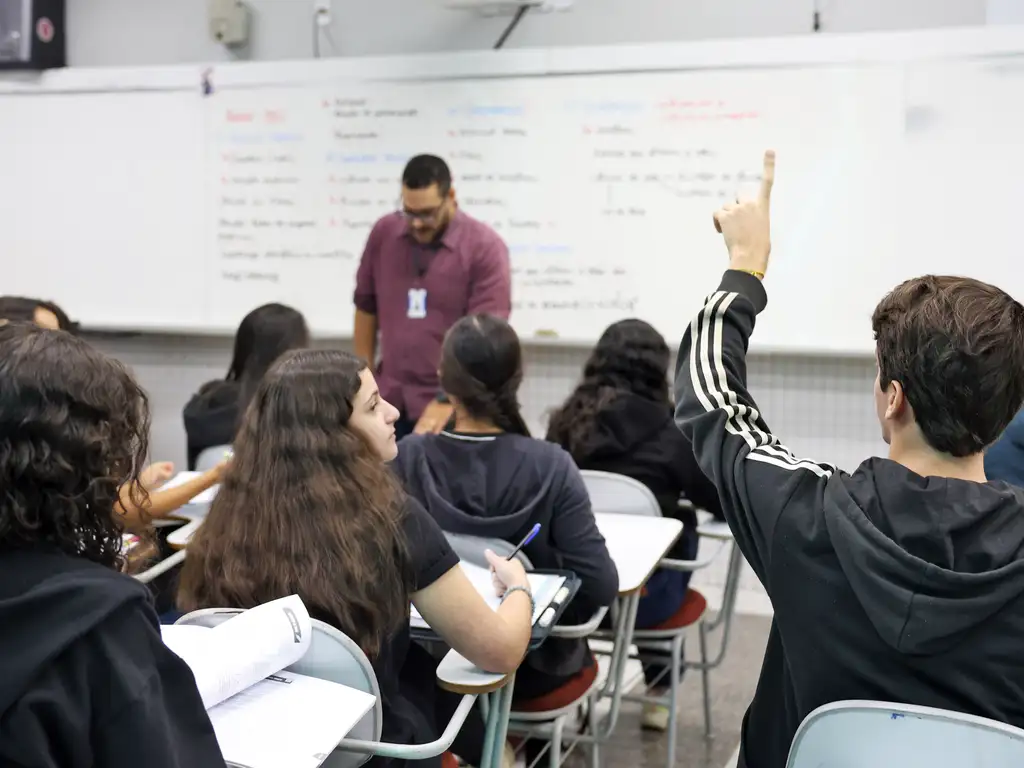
487 477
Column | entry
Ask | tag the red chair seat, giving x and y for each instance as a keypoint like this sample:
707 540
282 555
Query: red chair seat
562 696
687 614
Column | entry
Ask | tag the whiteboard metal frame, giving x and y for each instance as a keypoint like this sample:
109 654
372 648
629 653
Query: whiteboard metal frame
792 51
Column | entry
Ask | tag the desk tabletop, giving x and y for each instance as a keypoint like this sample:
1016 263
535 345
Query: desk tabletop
180 538
456 674
637 543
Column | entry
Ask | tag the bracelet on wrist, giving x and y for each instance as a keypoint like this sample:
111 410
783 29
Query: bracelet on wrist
755 272
525 590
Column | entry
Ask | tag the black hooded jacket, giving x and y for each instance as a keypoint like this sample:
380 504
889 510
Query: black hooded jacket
636 437
85 680
498 486
211 417
886 585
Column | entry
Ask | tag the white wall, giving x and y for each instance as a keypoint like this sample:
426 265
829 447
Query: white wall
141 32
1005 12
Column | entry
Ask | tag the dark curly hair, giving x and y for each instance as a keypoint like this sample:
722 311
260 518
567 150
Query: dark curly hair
956 346
482 368
74 429
630 356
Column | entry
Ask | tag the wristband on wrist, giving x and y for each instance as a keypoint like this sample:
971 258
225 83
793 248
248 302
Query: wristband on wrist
756 273
525 590
441 397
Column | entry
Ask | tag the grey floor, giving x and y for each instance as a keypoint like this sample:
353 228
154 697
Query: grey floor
732 686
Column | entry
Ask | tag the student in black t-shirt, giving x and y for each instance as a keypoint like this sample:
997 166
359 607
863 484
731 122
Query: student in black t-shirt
85 679
308 507
619 419
488 477
212 415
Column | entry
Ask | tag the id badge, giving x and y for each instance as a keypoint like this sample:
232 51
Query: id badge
417 309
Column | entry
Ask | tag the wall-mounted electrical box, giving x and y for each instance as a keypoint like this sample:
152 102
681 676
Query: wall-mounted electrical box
229 22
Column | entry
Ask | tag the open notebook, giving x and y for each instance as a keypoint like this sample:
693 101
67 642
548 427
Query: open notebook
545 587
264 716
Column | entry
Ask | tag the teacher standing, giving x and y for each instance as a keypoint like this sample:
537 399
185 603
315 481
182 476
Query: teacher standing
425 266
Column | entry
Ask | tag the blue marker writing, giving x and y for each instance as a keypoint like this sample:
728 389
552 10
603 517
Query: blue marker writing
526 540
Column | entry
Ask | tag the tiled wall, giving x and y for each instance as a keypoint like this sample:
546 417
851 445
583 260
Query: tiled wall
819 407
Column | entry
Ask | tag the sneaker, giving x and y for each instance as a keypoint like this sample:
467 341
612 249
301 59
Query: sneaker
508 757
655 718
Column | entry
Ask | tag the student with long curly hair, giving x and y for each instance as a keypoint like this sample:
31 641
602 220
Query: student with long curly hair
488 477
619 419
308 507
84 676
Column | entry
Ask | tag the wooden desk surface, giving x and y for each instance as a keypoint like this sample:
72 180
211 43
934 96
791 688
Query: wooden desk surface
456 674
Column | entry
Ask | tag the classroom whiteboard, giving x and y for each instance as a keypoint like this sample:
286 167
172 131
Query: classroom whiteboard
602 187
168 209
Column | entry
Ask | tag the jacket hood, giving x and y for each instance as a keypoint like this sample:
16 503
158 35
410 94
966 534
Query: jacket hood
928 558
628 421
212 413
482 485
40 619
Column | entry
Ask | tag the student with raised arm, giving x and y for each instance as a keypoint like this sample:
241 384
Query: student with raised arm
85 679
308 507
905 580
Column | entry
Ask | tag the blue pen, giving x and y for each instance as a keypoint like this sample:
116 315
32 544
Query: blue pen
526 540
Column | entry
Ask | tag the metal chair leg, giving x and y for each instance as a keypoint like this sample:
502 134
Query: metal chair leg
555 748
705 675
673 692
595 748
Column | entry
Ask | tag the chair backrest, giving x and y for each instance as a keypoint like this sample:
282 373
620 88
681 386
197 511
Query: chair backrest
620 494
471 549
333 656
869 734
211 457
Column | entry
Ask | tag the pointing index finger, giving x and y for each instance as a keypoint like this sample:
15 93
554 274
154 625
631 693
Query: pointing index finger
768 179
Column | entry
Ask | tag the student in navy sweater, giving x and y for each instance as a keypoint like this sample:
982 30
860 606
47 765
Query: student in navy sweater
488 477
619 419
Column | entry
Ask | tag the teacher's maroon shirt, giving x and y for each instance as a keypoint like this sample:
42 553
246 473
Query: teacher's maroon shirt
465 273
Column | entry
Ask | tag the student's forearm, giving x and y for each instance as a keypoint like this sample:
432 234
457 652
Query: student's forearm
516 611
161 503
364 336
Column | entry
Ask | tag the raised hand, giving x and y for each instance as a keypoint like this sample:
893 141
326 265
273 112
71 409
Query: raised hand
746 225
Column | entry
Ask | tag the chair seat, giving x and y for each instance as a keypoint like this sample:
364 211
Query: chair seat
565 695
687 615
